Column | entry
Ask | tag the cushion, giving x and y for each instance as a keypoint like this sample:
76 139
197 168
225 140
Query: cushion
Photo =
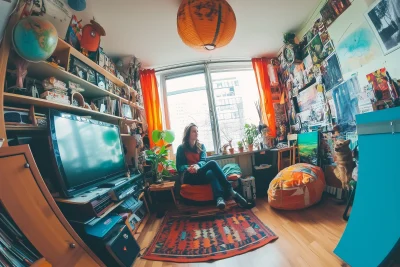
200 193
197 192
232 171
296 187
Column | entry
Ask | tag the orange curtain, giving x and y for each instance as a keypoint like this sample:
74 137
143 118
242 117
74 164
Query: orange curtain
260 67
151 100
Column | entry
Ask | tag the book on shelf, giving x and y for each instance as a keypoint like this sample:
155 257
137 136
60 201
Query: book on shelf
107 105
15 248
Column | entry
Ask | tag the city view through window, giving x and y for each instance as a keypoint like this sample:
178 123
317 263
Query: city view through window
234 93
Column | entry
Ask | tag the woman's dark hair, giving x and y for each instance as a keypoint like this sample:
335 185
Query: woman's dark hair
186 136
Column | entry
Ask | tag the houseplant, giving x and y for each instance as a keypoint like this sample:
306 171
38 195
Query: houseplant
231 149
251 133
240 146
158 156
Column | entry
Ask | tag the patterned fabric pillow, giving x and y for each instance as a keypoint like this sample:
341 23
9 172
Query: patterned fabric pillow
232 171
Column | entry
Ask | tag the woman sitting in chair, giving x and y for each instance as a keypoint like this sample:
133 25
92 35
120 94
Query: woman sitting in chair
191 164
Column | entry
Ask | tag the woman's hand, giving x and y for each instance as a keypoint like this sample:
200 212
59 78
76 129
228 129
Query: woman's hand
193 168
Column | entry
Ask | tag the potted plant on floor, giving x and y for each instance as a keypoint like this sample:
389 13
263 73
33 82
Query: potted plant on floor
158 156
240 146
251 133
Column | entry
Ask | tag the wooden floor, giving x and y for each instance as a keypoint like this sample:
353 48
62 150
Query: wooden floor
306 238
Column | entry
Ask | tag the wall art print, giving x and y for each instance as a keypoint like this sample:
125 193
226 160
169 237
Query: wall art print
358 48
345 97
384 19
331 73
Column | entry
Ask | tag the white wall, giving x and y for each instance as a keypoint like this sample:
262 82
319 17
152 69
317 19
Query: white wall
345 24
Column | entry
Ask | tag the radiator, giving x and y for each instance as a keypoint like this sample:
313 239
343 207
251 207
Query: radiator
223 162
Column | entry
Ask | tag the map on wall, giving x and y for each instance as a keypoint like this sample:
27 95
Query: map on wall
358 48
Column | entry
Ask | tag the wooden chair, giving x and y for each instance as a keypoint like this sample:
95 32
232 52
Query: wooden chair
294 153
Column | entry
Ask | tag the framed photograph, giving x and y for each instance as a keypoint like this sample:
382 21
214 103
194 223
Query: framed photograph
384 19
126 111
91 76
101 81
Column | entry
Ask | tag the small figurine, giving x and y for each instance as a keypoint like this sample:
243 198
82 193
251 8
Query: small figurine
91 36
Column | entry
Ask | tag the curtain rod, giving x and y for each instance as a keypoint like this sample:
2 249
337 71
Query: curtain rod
199 63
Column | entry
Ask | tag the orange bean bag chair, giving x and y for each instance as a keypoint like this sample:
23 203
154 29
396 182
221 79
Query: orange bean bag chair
296 187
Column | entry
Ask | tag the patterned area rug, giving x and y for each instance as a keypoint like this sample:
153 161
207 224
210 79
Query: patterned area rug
208 237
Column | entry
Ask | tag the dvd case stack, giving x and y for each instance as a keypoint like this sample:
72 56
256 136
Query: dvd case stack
15 248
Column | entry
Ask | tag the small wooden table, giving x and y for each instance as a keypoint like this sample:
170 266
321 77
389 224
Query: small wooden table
162 187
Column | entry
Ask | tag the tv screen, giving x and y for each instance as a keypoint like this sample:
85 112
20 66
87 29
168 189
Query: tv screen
87 152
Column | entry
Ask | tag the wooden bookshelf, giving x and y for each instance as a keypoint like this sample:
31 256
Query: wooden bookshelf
43 70
24 128
37 102
62 44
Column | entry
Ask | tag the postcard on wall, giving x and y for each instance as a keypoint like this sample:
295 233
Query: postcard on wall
384 19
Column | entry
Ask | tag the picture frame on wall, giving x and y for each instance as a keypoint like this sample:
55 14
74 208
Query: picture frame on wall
384 18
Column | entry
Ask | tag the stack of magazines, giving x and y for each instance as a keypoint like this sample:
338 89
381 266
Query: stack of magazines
15 249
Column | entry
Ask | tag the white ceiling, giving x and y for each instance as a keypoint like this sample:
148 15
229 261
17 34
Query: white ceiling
147 29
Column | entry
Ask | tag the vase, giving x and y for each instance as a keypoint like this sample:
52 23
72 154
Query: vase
250 147
158 178
231 150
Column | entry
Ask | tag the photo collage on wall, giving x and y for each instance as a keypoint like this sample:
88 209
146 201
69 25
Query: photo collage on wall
308 81
320 100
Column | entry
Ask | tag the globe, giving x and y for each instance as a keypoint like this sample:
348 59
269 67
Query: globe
34 39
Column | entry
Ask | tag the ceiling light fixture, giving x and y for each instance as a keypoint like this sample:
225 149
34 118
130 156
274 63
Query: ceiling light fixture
206 24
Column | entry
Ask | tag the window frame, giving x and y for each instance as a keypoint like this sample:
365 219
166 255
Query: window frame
207 69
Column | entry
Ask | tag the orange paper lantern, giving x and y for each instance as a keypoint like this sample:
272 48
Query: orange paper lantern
206 24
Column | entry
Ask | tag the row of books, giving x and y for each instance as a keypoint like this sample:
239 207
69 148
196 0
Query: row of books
15 248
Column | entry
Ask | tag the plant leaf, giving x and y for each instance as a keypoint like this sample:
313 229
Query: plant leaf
156 136
169 136
149 152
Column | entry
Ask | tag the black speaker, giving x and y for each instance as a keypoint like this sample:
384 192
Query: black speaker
123 248
110 239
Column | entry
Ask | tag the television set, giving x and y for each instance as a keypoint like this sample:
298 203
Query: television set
86 152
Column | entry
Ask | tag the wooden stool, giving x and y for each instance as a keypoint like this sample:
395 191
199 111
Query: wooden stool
162 187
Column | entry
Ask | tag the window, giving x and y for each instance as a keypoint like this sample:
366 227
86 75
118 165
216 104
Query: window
187 102
219 101
234 102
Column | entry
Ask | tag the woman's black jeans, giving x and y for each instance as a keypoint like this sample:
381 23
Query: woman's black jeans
211 173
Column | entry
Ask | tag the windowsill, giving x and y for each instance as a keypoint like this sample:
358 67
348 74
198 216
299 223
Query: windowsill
236 154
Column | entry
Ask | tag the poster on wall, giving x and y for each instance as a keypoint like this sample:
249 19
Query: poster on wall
311 103
317 51
333 9
384 18
308 147
345 97
379 82
358 48
331 73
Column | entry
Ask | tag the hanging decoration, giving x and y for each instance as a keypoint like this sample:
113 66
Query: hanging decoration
78 5
206 24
